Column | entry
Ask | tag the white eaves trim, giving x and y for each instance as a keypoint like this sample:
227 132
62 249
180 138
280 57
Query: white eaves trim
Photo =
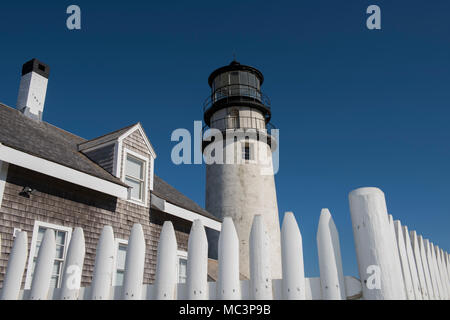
3 176
59 171
177 211
138 126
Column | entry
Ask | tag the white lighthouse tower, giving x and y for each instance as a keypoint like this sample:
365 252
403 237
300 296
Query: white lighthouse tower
243 185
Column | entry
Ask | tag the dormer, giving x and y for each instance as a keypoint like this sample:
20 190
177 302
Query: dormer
127 154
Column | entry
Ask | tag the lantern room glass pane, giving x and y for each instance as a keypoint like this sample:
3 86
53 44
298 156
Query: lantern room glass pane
252 80
252 84
234 83
243 80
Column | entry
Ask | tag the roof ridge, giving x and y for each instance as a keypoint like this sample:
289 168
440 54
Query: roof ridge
203 211
42 121
65 143
107 134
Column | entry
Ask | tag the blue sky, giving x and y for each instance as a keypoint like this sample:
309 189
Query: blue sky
354 107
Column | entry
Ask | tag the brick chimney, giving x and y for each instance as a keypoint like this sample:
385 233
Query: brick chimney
33 87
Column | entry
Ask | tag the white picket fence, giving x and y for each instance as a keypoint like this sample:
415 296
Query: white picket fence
393 263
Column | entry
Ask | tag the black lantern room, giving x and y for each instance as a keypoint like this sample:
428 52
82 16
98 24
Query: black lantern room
236 85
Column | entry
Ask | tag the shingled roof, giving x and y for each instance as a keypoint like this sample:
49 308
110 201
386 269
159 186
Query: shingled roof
104 139
165 191
48 142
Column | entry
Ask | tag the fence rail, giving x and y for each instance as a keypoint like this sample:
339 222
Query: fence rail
408 266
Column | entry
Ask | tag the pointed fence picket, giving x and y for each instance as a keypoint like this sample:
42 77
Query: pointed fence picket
71 277
407 278
444 279
104 263
197 265
134 265
166 277
16 267
414 268
422 260
330 262
260 272
44 266
293 283
445 276
228 285
431 266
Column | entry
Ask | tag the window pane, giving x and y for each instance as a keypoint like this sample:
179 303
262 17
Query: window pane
134 168
56 267
247 152
59 252
225 79
121 256
135 192
60 237
243 77
252 80
243 80
182 270
41 233
119 278
234 77
54 282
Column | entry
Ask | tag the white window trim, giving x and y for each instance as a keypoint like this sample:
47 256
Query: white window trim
146 174
38 224
118 153
183 255
144 136
117 242
152 172
3 175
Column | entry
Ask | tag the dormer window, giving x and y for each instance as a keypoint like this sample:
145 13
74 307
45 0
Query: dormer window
136 177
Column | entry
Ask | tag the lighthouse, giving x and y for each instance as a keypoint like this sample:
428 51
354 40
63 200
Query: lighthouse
237 146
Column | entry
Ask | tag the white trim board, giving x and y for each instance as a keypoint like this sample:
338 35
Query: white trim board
59 171
146 161
177 211
138 126
3 176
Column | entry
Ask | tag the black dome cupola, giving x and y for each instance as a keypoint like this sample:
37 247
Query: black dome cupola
236 85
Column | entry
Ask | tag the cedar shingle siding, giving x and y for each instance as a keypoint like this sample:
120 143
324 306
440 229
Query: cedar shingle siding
66 204
62 203
103 156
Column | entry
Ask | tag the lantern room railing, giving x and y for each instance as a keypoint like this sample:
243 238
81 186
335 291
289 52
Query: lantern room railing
237 93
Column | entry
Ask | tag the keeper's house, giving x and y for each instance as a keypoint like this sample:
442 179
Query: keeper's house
50 178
